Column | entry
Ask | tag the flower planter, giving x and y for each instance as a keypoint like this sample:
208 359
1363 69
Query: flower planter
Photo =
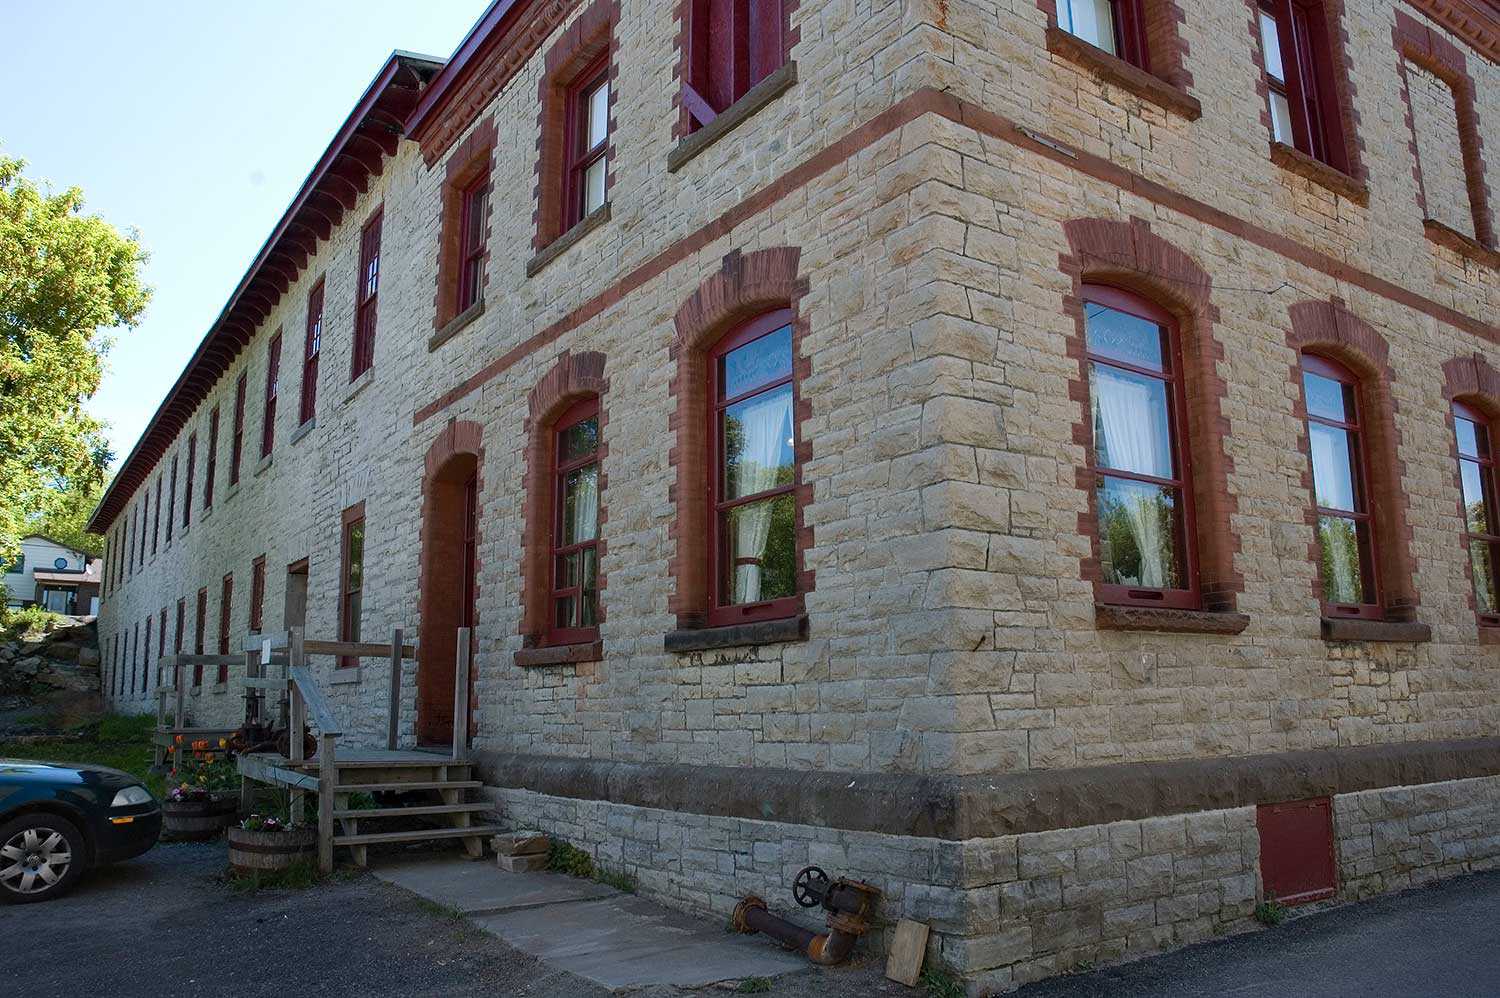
190 820
267 851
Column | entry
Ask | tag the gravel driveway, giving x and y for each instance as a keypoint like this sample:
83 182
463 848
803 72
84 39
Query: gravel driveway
165 925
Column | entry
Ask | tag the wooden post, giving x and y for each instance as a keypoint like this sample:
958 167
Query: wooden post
461 698
181 713
159 750
328 776
393 724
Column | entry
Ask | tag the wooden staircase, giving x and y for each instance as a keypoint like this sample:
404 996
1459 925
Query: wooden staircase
420 789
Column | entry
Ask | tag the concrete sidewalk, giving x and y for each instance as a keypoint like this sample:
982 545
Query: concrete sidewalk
614 939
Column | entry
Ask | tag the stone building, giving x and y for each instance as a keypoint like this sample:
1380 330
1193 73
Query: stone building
1031 455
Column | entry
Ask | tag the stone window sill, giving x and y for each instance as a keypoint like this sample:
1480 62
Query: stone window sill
760 632
219 688
455 325
1113 617
587 651
264 465
568 240
344 677
1359 629
1446 235
359 384
1114 70
1298 162
304 430
734 116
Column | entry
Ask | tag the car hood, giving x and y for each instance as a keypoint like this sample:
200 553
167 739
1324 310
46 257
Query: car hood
30 771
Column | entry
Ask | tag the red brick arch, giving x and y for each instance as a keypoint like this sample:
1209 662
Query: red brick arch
1130 256
1330 329
745 286
573 378
457 452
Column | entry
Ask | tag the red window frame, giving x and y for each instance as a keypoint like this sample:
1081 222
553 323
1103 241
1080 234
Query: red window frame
349 619
1189 597
366 296
145 513
257 593
187 488
238 440
181 626
312 349
226 604
731 46
145 659
161 642
556 633
1129 23
720 612
130 543
273 388
156 515
211 470
475 208
172 500
1360 479
580 155
1485 461
200 627
1309 84
127 685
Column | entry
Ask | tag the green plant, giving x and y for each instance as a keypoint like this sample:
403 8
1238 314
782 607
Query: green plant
31 621
941 983
754 986
302 874
565 858
447 912
361 801
1270 912
618 879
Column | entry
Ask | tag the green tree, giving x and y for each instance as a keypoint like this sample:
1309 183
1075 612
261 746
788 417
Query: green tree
65 279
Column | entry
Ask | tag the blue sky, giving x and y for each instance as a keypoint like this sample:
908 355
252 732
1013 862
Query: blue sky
193 123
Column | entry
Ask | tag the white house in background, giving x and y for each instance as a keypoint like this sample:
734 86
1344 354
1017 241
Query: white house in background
53 575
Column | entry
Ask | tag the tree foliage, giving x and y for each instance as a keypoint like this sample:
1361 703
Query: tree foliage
65 279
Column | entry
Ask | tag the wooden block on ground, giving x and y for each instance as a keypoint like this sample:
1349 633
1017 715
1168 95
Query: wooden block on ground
908 950
520 844
523 864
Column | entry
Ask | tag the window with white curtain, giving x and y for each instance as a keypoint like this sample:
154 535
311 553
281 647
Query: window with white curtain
1336 439
1139 462
575 544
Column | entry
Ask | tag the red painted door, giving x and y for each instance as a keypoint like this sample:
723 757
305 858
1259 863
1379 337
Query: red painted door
1296 850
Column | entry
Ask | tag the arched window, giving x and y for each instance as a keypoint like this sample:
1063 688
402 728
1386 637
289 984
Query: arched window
753 472
575 525
1140 462
1337 436
1476 472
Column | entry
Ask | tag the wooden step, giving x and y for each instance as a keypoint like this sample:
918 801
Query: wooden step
341 763
422 835
397 812
343 788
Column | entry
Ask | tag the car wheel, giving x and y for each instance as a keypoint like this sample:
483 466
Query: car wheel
41 857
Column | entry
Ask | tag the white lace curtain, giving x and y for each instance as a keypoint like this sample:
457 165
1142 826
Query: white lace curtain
1333 485
766 426
1129 413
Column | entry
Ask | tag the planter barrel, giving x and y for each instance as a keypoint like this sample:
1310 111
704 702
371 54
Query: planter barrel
262 851
198 819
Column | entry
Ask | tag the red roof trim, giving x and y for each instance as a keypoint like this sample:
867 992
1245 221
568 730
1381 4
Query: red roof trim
475 43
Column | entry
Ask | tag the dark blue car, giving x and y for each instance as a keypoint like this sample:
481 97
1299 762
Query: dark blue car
59 819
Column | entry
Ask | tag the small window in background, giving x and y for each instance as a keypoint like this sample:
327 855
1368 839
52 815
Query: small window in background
367 297
352 584
211 471
575 543
312 353
1300 79
273 388
587 173
238 439
476 214
1476 472
1281 108
733 45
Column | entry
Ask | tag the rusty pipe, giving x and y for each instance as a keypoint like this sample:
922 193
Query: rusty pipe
826 949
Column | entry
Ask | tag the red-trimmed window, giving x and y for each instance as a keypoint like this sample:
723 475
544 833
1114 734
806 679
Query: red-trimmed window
366 297
226 600
237 443
200 626
273 386
1140 464
161 643
753 476
145 514
1116 26
127 685
130 543
187 486
181 625
1476 474
732 45
172 500
257 593
145 659
575 526
211 472
1299 77
476 214
588 141
156 516
312 349
1341 488
352 577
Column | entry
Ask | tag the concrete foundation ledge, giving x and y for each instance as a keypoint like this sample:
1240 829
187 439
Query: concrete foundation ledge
965 807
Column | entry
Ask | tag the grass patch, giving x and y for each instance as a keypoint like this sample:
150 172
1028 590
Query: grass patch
300 876
1270 912
31 621
754 986
563 857
120 742
446 912
940 983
